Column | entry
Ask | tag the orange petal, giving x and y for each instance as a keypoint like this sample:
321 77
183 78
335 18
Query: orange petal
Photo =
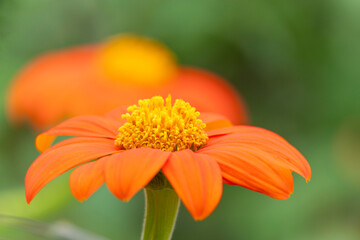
223 131
117 114
209 93
283 153
82 126
226 181
197 180
44 141
48 87
87 178
129 171
214 121
62 157
251 168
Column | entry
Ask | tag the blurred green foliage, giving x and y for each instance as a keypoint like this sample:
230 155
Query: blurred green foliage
295 63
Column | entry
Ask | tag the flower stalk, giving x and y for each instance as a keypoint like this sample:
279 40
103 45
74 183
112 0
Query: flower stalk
162 206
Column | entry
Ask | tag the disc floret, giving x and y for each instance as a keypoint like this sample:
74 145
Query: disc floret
155 123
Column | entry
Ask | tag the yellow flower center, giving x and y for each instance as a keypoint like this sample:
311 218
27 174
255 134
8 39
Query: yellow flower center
162 126
137 61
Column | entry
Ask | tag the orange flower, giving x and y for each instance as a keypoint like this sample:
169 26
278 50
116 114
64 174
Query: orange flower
97 78
196 153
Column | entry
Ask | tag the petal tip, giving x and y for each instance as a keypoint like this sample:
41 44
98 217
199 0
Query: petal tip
43 142
29 198
200 216
124 198
80 199
29 193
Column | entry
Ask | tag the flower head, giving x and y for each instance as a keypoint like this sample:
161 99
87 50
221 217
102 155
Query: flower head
97 78
196 153
155 125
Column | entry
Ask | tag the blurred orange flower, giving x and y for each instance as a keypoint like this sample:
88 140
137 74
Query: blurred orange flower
195 152
97 78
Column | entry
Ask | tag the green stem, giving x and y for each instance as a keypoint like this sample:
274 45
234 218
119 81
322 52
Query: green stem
161 211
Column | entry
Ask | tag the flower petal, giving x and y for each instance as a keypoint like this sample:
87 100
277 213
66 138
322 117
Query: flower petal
252 168
224 131
214 121
283 153
62 157
47 89
228 182
87 178
82 126
215 94
117 114
129 171
196 179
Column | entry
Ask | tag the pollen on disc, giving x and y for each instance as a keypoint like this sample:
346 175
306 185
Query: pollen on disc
157 123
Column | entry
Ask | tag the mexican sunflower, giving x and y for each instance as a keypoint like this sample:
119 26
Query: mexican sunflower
196 152
97 78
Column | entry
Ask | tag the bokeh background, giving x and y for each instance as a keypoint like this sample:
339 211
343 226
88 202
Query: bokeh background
296 63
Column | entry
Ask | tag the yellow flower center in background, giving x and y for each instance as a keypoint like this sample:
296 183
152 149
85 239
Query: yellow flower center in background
137 61
162 126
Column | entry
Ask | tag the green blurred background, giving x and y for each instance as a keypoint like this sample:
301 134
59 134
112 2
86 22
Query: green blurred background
297 65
